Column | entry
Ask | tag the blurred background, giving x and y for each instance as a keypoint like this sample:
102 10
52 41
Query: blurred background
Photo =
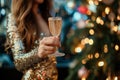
90 39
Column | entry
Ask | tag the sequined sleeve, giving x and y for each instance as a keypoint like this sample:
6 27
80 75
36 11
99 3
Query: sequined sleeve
22 60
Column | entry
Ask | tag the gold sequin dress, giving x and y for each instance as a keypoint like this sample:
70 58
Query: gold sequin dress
33 67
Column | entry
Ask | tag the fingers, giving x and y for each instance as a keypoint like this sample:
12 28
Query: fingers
45 50
48 46
44 53
51 41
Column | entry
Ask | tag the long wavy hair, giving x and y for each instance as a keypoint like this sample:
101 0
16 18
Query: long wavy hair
25 21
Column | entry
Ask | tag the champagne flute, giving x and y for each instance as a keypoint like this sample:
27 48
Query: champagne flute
55 25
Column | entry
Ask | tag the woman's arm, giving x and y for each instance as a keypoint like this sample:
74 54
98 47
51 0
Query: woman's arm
22 60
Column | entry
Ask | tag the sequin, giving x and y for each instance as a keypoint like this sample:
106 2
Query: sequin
33 67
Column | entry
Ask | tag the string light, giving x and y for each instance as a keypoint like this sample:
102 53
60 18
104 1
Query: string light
116 47
101 63
115 28
101 22
98 20
106 78
115 78
90 56
91 2
105 48
97 55
91 42
107 10
91 32
118 17
78 49
83 42
83 61
86 40
109 77
99 0
83 78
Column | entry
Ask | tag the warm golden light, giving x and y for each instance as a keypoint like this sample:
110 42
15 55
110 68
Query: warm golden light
90 56
86 40
115 28
91 2
101 63
91 32
105 48
101 22
83 61
83 79
83 42
99 0
91 42
107 10
98 20
106 78
115 78
118 17
97 55
78 49
116 47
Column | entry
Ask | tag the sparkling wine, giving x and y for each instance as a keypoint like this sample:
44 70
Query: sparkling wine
55 24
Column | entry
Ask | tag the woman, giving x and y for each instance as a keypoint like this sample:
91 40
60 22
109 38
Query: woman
27 20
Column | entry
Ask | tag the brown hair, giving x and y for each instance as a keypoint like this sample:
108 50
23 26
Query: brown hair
22 13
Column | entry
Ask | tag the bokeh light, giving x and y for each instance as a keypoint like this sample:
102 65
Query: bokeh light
101 63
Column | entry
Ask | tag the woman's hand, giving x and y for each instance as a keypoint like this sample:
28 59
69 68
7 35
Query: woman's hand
48 46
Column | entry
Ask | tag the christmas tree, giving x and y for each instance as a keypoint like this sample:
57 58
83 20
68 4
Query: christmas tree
96 45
